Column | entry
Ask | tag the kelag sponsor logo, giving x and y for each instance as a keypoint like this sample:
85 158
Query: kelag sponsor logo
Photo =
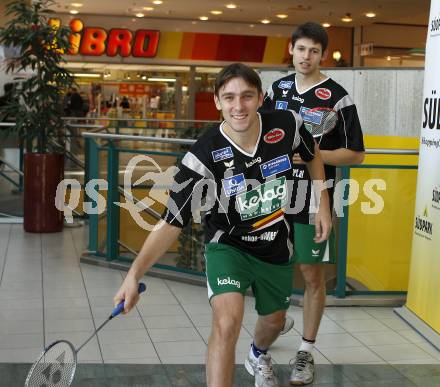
297 98
228 281
281 105
423 226
274 166
222 154
263 200
252 162
234 184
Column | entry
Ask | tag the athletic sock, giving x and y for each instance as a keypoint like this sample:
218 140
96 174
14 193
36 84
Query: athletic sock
257 351
307 345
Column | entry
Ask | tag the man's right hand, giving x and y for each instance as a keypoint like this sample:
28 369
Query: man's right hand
128 292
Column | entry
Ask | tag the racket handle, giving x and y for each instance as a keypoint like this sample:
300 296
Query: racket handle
121 305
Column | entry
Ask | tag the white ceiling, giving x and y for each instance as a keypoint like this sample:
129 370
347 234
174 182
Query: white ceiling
252 11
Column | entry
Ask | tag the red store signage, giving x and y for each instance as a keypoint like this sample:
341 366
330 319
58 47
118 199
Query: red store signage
97 41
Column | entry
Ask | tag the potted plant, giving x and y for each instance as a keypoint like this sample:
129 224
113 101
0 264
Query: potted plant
36 104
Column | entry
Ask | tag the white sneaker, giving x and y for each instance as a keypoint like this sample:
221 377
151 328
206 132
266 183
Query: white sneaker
261 368
303 369
288 325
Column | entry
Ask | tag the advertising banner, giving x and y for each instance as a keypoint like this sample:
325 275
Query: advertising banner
424 282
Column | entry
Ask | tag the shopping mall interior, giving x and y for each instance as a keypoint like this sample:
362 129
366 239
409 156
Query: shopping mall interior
144 75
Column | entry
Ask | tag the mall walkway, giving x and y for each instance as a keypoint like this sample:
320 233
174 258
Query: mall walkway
46 294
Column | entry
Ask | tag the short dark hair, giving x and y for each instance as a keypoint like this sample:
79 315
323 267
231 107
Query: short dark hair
237 70
313 31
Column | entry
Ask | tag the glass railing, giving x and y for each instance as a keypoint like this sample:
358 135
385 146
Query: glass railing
373 246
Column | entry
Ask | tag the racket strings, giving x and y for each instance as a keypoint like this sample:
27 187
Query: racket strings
55 368
327 123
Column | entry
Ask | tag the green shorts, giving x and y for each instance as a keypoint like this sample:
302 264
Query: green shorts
306 251
229 269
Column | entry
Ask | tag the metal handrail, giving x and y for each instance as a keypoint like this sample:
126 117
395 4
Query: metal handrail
141 119
86 126
373 151
3 161
106 136
385 151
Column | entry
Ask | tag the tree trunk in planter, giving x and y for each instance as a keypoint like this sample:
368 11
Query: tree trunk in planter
42 173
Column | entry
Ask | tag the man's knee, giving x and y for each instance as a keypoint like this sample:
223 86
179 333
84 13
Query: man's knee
226 327
274 321
313 275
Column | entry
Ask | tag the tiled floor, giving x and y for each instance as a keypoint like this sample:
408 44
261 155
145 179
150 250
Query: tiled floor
46 294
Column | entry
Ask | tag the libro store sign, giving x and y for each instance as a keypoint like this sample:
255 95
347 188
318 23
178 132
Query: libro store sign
97 41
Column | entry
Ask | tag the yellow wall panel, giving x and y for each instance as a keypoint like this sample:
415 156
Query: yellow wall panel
275 51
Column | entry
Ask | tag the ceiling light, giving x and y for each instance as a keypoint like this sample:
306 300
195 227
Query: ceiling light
76 5
74 11
265 21
252 25
204 18
336 55
347 18
326 25
156 79
140 14
231 6
388 58
86 75
282 16
216 12
148 8
370 14
157 2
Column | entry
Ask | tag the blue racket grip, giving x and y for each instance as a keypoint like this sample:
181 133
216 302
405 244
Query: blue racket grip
121 305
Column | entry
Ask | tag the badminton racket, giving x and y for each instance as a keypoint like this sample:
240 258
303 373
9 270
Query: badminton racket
320 121
56 366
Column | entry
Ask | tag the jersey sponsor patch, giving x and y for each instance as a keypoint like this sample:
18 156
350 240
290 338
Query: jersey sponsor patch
323 93
274 166
273 136
285 84
312 116
281 105
222 154
234 184
268 236
263 200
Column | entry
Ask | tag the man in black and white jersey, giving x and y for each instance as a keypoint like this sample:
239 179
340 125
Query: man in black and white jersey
302 91
242 166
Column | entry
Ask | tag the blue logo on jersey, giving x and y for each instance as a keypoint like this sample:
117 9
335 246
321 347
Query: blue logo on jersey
281 105
285 84
308 115
222 154
274 166
234 184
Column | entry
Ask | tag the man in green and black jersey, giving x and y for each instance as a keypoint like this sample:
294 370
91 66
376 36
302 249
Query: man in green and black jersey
241 168
302 91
